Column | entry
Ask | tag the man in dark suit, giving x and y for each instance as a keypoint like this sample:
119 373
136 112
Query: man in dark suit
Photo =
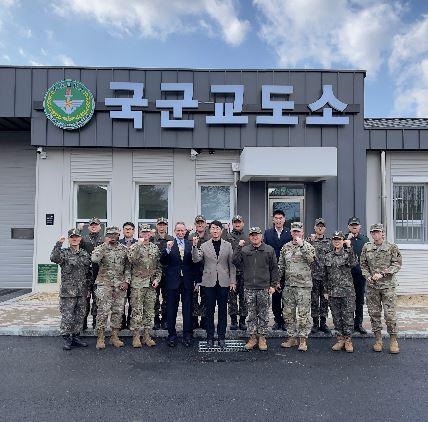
180 278
277 237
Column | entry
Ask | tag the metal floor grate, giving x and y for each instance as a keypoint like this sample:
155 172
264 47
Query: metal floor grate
231 346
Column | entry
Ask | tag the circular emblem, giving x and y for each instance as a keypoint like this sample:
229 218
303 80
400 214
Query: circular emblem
68 104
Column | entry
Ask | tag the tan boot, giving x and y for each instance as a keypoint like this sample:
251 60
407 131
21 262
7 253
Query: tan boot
348 345
339 345
262 343
136 342
147 339
114 338
290 342
101 339
378 346
393 344
252 342
303 345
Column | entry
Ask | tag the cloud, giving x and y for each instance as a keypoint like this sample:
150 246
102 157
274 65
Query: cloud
331 33
65 60
25 33
162 18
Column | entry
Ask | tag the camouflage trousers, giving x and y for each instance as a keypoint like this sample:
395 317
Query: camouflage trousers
297 310
143 307
342 309
319 304
110 300
72 314
198 308
376 298
236 297
258 303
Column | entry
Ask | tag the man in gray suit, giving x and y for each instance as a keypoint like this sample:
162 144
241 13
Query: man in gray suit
218 278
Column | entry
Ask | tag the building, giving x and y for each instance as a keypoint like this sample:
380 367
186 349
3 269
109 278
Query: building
136 144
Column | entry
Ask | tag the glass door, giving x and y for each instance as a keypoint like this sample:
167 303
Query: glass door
288 198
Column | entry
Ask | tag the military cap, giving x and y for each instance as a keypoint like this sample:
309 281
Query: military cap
112 230
354 220
94 220
255 230
74 233
200 218
320 221
162 220
297 226
338 235
237 218
377 227
145 228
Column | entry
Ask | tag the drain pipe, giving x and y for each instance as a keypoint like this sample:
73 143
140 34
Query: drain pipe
235 169
383 190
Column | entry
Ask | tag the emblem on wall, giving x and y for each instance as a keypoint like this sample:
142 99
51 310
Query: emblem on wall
68 104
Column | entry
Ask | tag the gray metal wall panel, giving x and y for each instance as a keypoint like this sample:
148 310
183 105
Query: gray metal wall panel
152 127
411 139
169 137
281 134
423 139
243 202
88 134
313 207
23 104
72 137
258 204
264 133
185 136
216 133
394 139
7 92
136 137
201 92
104 131
378 139
54 135
248 133
120 127
17 196
297 134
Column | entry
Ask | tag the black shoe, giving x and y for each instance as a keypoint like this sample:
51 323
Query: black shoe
195 322
316 325
94 322
323 326
172 342
156 325
210 342
242 325
77 341
222 344
187 342
164 325
85 324
359 329
233 323
277 326
68 343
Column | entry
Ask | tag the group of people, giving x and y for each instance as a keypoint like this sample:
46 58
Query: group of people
212 266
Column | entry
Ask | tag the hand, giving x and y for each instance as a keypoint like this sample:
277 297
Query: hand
278 287
232 287
88 295
169 244
106 240
61 239
376 276
313 236
189 229
81 226
140 241
325 296
348 243
227 226
195 240
197 287
299 241
271 290
241 243
350 236
155 284
124 286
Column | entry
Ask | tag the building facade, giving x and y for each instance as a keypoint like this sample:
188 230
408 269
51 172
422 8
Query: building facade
180 142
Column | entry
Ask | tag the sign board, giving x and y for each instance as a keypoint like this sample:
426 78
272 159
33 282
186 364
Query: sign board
50 219
47 273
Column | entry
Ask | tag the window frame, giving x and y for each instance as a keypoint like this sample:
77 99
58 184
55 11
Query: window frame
231 200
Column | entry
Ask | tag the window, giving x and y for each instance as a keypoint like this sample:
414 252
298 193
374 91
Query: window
91 200
216 202
153 203
409 213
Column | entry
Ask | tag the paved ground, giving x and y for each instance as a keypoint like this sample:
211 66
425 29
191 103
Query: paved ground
40 382
38 314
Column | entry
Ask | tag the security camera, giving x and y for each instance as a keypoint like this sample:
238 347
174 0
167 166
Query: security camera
193 154
41 152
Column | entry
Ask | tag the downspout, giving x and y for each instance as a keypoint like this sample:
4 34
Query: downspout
383 190
235 169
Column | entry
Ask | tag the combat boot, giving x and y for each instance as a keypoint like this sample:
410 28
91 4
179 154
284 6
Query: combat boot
290 342
136 342
303 344
323 326
378 346
393 344
147 339
77 341
262 343
339 345
68 342
252 342
233 322
114 338
315 325
348 345
101 339
242 325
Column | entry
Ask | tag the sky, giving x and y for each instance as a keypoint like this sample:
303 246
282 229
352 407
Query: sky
388 39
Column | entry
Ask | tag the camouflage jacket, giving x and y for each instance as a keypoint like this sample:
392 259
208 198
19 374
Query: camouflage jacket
385 259
295 264
338 277
91 241
233 238
114 264
146 267
76 276
322 247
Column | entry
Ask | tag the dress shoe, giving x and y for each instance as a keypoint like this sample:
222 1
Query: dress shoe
359 329
222 344
77 341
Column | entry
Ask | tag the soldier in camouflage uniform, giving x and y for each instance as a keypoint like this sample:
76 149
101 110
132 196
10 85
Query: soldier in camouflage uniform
234 237
319 304
160 239
295 260
380 261
112 282
76 279
260 276
198 308
146 273
339 289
